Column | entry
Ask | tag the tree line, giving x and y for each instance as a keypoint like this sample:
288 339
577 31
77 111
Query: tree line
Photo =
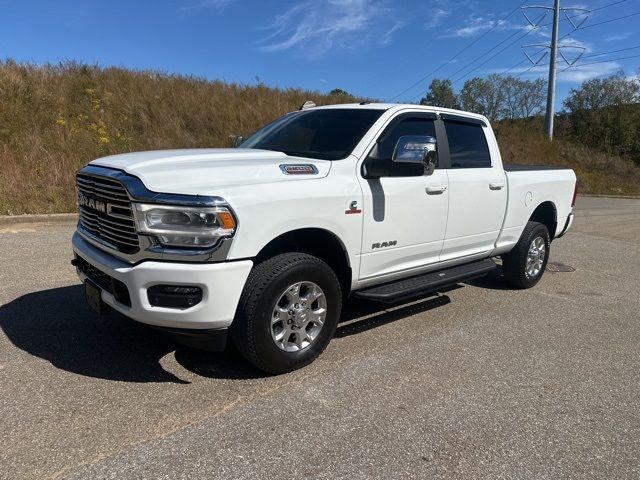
603 113
497 97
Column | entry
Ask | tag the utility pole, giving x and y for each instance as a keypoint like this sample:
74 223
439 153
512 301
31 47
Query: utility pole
551 93
582 14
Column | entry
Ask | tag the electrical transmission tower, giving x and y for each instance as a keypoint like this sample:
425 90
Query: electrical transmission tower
554 49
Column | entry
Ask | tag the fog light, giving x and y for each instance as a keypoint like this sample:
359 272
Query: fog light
174 296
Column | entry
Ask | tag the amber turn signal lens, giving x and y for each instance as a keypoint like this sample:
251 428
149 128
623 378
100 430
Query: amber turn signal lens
226 220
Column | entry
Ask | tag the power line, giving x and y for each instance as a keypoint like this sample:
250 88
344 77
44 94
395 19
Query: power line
529 69
515 66
591 25
464 67
491 57
606 6
464 49
610 52
601 61
465 75
527 33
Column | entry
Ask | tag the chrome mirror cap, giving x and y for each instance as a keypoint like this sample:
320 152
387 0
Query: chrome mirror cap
417 149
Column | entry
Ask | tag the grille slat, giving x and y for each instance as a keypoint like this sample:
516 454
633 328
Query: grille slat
108 191
99 193
123 225
117 238
100 182
115 225
119 232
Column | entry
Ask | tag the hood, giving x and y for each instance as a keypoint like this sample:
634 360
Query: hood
206 171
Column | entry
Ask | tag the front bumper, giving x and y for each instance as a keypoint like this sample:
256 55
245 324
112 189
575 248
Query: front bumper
221 284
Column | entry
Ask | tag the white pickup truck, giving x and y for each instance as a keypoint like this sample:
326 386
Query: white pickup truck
265 242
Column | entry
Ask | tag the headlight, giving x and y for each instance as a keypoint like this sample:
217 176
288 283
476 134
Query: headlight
184 226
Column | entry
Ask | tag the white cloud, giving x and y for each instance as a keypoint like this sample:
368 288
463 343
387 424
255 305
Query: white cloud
435 12
317 26
579 74
618 37
388 37
479 24
216 5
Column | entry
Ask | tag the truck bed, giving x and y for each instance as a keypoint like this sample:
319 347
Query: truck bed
529 186
517 167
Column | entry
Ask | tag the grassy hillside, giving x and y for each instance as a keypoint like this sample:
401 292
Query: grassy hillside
597 172
54 119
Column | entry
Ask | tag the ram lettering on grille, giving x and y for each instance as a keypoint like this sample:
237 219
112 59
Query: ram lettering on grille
105 212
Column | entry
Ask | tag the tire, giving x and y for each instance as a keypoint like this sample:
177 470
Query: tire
514 264
264 312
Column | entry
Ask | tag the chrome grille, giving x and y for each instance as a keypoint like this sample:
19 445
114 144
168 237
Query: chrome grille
112 219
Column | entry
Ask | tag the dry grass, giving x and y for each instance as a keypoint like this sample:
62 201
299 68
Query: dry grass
597 172
55 119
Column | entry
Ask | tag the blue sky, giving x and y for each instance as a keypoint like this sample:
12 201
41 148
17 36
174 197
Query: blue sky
373 48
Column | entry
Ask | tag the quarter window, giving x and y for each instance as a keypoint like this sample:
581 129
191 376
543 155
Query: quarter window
468 146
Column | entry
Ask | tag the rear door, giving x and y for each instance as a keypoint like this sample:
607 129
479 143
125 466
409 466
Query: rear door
404 217
477 189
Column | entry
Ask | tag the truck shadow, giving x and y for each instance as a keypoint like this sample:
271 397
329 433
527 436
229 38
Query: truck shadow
492 281
56 325
359 316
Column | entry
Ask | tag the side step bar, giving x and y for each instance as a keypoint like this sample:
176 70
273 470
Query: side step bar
426 283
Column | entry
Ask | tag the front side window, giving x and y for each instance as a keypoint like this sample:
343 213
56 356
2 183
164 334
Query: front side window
467 145
411 126
328 134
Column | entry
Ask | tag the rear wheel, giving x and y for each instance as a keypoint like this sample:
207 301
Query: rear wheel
288 312
524 265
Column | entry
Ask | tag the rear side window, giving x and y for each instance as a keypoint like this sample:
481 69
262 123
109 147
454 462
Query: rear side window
467 145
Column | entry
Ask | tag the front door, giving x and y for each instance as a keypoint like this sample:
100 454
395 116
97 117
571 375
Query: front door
404 217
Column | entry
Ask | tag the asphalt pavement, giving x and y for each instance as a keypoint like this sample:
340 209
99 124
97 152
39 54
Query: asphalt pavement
482 382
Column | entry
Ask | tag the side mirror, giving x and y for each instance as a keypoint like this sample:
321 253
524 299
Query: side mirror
420 149
237 140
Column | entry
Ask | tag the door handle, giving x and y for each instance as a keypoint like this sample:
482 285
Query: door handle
436 190
496 186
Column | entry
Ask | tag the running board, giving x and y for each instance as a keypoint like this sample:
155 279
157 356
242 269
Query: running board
426 283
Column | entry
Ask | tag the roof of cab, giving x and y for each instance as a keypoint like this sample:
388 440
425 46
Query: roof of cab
400 106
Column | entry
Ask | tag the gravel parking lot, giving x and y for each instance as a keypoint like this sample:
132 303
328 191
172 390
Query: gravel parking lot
482 382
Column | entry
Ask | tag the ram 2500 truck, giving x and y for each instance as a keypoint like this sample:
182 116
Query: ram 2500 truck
265 242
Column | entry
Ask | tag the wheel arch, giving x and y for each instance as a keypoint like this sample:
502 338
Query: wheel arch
318 242
547 214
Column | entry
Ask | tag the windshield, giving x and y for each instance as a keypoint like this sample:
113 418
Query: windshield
328 134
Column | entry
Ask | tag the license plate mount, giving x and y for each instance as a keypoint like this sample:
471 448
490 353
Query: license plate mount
93 295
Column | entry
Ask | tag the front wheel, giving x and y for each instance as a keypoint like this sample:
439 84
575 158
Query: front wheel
288 312
524 266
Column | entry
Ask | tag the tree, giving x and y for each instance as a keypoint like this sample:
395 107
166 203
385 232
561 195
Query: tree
484 96
523 98
604 113
338 92
499 97
440 94
612 91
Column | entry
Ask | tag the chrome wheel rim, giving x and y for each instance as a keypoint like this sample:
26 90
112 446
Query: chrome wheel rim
298 316
535 257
